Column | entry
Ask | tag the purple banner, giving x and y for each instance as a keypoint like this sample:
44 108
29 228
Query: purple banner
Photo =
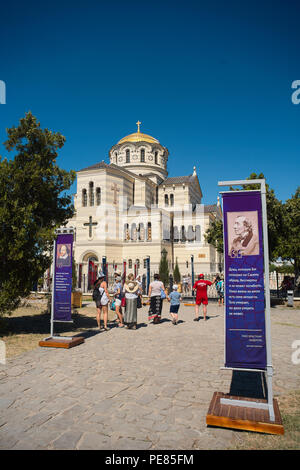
63 277
245 343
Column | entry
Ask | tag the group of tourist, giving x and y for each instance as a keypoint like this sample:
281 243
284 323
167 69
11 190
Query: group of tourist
129 296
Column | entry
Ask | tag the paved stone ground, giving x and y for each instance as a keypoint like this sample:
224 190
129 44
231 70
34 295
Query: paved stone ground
126 389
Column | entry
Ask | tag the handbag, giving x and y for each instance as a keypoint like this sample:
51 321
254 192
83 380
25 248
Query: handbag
113 305
123 302
162 293
139 302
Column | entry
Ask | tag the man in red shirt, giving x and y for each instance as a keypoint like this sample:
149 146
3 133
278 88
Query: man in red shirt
201 295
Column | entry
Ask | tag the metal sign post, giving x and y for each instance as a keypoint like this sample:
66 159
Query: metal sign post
269 367
60 341
193 273
148 274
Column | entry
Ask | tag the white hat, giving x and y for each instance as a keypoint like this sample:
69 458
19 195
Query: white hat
175 287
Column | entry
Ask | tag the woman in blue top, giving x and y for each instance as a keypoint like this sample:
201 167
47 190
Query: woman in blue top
174 298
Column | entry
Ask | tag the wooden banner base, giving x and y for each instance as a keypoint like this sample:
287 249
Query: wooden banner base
238 417
64 342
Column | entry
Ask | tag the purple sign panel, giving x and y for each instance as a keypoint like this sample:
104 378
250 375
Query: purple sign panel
245 343
63 278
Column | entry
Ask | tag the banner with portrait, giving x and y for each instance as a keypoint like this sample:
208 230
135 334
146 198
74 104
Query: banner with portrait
63 277
245 341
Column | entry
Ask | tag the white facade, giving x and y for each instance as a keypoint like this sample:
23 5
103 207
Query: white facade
130 209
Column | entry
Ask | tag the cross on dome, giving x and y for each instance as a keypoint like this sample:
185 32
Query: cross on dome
138 124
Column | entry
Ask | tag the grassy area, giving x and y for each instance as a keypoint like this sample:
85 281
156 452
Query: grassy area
27 326
289 406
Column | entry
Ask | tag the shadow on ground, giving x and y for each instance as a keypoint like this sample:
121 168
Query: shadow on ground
40 324
248 384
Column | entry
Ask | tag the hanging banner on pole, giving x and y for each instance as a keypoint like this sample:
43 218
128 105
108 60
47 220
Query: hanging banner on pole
245 339
148 274
63 277
104 268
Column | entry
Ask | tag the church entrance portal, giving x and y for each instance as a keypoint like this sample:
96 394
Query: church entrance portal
92 272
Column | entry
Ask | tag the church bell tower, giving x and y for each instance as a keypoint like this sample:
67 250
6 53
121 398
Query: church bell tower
141 154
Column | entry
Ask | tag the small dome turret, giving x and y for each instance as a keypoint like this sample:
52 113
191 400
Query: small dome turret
140 153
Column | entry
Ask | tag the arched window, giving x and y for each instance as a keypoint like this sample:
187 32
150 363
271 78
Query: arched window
176 234
127 156
156 158
166 231
133 232
171 199
130 263
190 233
182 234
143 155
166 200
149 231
126 232
91 193
98 196
141 232
138 263
84 198
198 233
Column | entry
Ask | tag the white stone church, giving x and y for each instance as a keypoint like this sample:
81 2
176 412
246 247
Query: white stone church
131 209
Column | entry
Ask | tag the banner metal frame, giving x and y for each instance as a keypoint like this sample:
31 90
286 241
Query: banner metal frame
58 231
269 367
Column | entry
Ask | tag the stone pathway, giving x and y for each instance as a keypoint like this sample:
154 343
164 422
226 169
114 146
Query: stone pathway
126 389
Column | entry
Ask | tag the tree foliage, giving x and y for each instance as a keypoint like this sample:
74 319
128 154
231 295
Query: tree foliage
32 204
164 268
176 273
214 235
288 247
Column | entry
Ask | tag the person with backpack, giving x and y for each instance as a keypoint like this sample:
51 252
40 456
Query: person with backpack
101 297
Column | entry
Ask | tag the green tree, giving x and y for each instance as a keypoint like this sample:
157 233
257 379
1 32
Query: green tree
176 273
214 234
164 268
288 248
32 204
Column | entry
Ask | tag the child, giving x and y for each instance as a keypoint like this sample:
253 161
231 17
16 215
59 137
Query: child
174 298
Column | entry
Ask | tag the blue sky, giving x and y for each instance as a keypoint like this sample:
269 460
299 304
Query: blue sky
211 80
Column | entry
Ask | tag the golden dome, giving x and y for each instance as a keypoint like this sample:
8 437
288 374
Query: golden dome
139 137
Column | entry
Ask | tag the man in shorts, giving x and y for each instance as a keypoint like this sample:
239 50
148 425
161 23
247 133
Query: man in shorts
201 295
